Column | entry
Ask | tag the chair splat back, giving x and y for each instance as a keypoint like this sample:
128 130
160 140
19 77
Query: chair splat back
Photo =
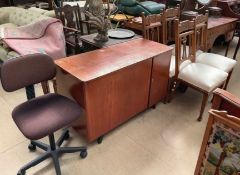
184 39
152 27
70 16
169 15
201 31
17 73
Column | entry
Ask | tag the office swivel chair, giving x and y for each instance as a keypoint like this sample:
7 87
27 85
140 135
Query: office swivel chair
41 116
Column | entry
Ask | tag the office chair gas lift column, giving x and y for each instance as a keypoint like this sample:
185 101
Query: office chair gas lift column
41 116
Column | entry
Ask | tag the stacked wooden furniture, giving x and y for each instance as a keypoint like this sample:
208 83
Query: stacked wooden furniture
221 26
232 9
157 27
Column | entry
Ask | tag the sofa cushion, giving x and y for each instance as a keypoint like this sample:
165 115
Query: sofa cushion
21 17
49 13
153 7
4 17
3 53
9 25
12 54
203 76
128 3
218 61
34 9
136 10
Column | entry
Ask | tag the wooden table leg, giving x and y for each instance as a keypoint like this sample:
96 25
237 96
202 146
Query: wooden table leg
237 48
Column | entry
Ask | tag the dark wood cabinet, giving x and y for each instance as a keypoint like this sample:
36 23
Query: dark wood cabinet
4 3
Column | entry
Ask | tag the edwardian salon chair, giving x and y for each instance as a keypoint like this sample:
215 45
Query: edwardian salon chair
201 77
218 61
73 20
41 116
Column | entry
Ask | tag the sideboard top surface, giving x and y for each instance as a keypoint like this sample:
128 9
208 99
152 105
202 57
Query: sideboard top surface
92 65
216 22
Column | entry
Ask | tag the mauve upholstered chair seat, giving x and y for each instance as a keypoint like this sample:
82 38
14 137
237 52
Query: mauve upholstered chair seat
44 115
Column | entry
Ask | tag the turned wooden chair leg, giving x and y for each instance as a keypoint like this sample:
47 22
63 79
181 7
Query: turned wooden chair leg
236 50
45 87
167 97
172 89
182 87
227 81
204 102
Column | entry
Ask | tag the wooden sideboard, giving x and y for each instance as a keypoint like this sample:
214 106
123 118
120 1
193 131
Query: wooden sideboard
115 83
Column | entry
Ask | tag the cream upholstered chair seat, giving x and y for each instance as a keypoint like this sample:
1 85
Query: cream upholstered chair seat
203 76
173 63
218 61
185 63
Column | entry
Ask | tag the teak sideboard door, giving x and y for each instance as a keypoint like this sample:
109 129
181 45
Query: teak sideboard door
159 78
117 97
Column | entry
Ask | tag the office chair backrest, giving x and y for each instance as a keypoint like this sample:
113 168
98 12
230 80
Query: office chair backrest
17 73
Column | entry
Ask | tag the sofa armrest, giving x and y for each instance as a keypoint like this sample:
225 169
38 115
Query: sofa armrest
4 17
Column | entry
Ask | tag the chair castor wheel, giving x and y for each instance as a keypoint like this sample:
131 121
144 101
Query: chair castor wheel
100 139
32 147
83 154
67 136
21 173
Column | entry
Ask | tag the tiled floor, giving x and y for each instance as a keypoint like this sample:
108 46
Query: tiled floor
164 141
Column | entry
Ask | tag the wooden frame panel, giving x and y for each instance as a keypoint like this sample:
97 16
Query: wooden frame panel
221 140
